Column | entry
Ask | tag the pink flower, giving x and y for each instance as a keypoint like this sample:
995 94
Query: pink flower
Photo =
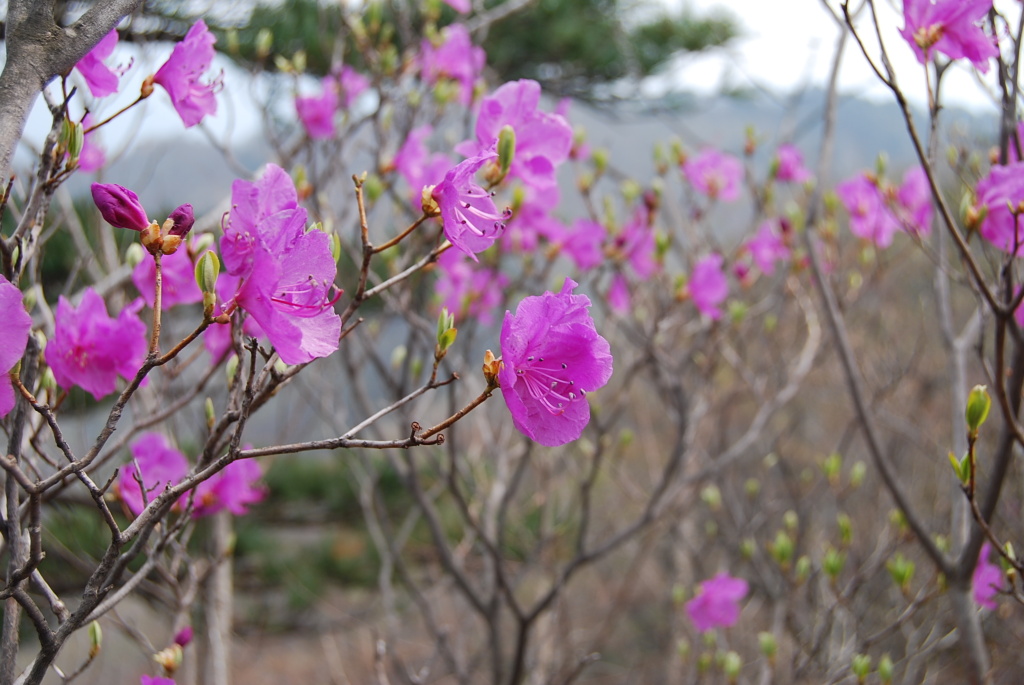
13 336
949 27
149 680
455 58
533 220
715 174
709 286
92 156
119 206
543 140
317 113
179 280
987 580
159 466
618 294
285 273
233 488
352 84
583 243
870 218
418 166
1004 185
101 79
468 289
461 6
768 247
471 221
635 245
89 349
915 199
790 167
180 75
551 357
717 603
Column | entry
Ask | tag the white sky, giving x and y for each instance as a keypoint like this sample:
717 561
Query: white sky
787 44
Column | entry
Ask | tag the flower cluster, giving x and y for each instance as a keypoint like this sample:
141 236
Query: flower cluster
284 273
453 57
317 112
878 212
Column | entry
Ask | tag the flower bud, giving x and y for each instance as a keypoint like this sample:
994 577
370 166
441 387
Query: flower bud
446 333
169 659
711 496
857 473
147 87
491 367
845 524
833 562
901 570
782 549
119 206
207 271
791 520
134 255
95 639
183 637
732 664
183 218
802 570
885 669
506 149
767 644
978 404
264 42
427 202
861 666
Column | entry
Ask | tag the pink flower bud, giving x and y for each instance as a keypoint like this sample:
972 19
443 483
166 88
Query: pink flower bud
183 218
119 206
183 636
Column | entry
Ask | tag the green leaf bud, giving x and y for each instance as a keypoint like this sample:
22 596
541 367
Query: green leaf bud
885 669
861 666
978 405
506 149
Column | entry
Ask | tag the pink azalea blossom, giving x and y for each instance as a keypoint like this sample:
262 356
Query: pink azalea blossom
543 139
455 58
533 220
471 221
709 286
987 580
950 27
461 6
635 245
101 79
418 166
767 247
352 84
92 156
89 349
181 73
178 277
717 604
1004 185
286 273
915 201
159 465
150 680
234 488
13 337
715 174
583 243
790 167
317 112
551 357
618 296
870 218
468 289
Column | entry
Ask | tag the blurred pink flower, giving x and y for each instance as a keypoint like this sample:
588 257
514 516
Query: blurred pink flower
1003 186
178 276
715 174
709 286
234 488
870 218
92 156
101 79
468 289
150 680
461 6
13 336
583 243
767 247
618 296
159 465
635 245
790 165
717 604
180 75
455 58
89 349
418 166
987 580
950 27
915 199
317 112
552 356
352 84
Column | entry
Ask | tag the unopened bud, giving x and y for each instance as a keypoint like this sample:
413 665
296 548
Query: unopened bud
169 658
732 664
211 415
861 666
802 570
95 639
768 645
147 87
711 496
978 404
857 473
182 219
207 271
427 202
492 366
833 562
264 42
885 669
134 255
506 149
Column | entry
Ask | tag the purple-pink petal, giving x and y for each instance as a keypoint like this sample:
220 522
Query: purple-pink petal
178 276
950 27
1003 186
119 206
13 337
101 79
987 580
471 220
159 466
870 218
709 286
455 58
715 174
317 112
